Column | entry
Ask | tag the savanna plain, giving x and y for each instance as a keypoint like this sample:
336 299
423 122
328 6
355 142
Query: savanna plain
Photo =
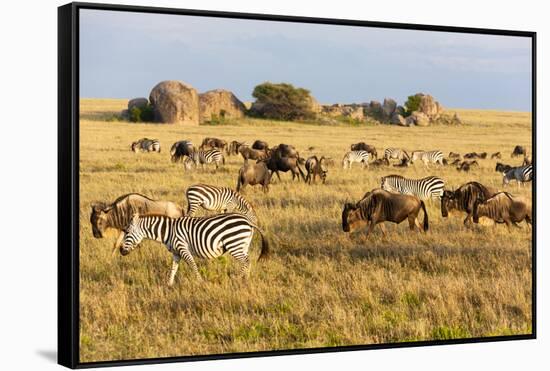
320 287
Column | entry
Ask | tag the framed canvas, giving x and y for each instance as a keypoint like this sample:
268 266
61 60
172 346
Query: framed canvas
322 185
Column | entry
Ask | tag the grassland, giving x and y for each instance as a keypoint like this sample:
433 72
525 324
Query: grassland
321 287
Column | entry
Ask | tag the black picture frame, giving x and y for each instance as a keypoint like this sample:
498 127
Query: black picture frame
68 180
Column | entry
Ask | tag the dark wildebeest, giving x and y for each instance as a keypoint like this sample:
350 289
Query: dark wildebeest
502 168
519 151
380 206
314 167
118 214
181 149
284 150
496 155
253 154
467 165
362 146
404 163
456 162
275 163
504 208
380 162
253 174
146 145
473 155
454 155
463 199
233 147
209 143
260 144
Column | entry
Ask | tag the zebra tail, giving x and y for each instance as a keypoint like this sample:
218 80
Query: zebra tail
264 252
426 223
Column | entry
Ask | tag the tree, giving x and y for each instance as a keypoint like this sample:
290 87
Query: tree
282 102
412 104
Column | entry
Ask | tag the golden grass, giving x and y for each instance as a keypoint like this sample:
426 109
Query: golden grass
321 287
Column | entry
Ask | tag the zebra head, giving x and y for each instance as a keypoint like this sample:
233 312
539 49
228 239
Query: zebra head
133 235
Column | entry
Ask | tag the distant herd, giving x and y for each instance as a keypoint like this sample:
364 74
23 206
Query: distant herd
138 217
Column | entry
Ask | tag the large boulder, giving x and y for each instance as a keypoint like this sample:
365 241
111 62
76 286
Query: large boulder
398 119
429 106
389 107
137 102
420 119
220 103
175 102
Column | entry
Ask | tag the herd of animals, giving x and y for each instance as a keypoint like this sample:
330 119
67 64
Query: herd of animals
137 217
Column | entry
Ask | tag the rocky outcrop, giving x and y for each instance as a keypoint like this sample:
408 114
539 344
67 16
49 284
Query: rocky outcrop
220 104
353 111
175 102
398 119
137 102
419 119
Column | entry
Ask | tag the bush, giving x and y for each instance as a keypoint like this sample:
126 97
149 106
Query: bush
283 102
412 104
142 114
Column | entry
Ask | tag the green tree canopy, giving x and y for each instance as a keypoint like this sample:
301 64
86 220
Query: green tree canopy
282 101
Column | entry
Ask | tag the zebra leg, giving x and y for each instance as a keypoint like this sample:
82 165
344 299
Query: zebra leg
185 254
175 264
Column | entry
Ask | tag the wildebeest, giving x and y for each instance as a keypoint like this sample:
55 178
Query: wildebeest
463 199
473 155
521 174
404 163
502 168
146 145
455 162
209 143
284 150
519 151
233 147
260 144
276 163
362 146
253 174
380 206
454 155
467 165
181 149
496 155
253 154
504 208
118 214
314 167
380 162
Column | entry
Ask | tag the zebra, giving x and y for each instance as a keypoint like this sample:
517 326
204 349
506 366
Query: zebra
207 238
424 188
521 174
355 156
396 153
207 157
218 199
146 145
435 157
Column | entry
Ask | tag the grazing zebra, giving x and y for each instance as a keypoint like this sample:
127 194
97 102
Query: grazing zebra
521 174
424 188
146 145
185 237
355 156
396 153
218 199
207 157
434 157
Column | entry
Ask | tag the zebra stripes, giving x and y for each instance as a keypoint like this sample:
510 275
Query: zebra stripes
214 198
521 174
395 153
355 156
424 188
146 145
186 237
209 156
427 157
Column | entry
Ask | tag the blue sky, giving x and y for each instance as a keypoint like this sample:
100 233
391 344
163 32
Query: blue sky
123 55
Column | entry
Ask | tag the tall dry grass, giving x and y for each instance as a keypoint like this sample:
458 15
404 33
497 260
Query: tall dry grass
321 287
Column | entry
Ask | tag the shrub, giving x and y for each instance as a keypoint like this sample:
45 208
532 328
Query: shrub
412 104
283 102
142 114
